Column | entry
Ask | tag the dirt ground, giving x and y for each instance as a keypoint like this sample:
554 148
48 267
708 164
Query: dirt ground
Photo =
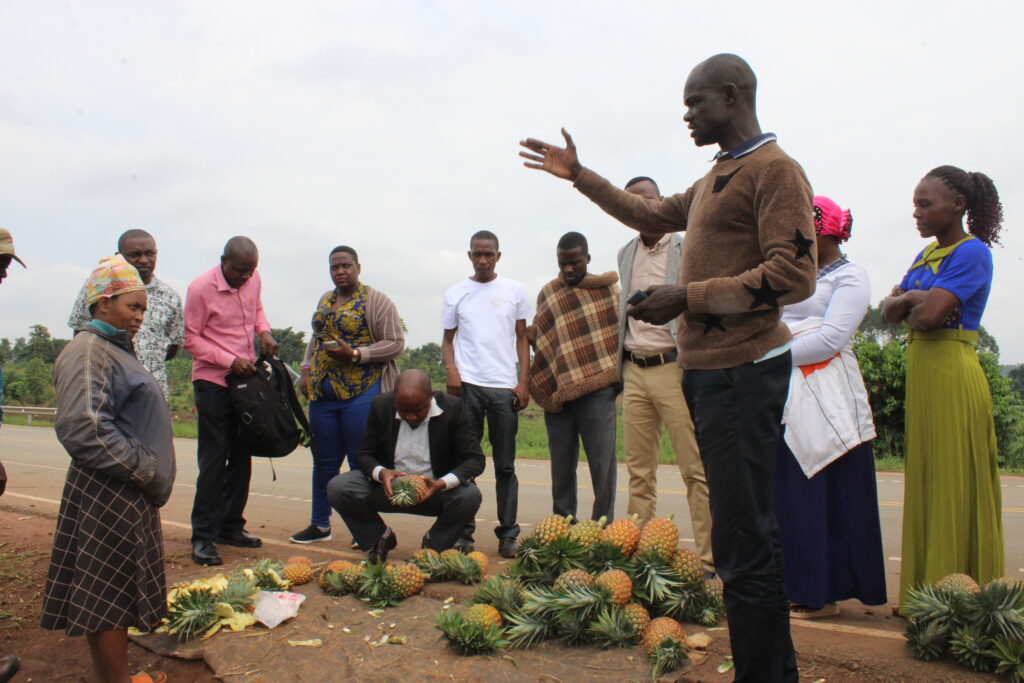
347 631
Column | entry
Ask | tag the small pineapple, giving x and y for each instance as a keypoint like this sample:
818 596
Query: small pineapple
637 616
482 616
958 583
688 565
551 527
715 587
481 561
377 585
298 558
352 576
664 640
613 628
431 564
574 578
659 536
587 532
297 573
337 566
1008 581
623 533
618 584
191 613
408 490
408 580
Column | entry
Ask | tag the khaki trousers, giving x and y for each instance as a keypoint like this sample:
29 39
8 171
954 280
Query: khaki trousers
652 397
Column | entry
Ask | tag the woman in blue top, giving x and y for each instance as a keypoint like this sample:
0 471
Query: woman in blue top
952 502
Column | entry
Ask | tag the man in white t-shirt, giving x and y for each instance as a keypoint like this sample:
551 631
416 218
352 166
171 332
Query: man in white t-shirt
484 320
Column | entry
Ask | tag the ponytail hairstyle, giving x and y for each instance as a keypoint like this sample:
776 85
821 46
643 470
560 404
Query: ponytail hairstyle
984 210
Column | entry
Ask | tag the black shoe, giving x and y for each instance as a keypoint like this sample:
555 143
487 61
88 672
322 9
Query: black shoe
9 666
385 544
507 547
425 543
464 546
239 539
204 552
311 534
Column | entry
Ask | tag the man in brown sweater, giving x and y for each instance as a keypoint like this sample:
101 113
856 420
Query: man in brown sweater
749 250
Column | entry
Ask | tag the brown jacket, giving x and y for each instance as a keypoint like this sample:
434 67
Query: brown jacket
749 250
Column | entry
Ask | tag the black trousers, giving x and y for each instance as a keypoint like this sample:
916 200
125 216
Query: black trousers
360 500
502 424
222 487
737 414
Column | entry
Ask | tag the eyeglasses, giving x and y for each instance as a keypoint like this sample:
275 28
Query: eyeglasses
135 255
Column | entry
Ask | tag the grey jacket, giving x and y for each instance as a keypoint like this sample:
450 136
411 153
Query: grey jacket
625 259
111 413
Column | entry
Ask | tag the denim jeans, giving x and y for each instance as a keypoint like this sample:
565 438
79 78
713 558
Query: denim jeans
502 425
337 427
590 418
737 415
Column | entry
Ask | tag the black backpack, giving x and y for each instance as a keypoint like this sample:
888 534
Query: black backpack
267 410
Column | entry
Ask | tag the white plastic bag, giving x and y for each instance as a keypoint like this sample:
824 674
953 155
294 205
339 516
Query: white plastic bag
273 607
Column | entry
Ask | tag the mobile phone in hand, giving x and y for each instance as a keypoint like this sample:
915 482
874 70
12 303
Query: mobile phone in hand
330 344
636 297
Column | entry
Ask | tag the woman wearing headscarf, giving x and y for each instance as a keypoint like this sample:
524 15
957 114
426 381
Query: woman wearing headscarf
952 503
107 567
826 500
357 335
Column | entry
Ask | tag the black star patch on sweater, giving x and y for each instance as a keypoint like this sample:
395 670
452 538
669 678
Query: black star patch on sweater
713 322
765 295
802 244
722 180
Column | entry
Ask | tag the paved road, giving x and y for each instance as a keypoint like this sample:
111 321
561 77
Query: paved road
36 465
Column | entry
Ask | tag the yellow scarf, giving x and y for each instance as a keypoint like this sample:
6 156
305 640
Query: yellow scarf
933 255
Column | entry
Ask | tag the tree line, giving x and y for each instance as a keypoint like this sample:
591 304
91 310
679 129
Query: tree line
27 365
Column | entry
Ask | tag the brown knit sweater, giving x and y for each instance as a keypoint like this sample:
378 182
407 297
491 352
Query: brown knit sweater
749 250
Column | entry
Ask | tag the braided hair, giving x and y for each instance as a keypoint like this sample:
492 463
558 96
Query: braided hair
984 210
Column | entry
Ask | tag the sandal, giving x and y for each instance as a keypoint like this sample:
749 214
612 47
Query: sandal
151 677
798 611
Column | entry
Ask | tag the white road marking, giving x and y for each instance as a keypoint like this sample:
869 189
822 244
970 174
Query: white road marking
895 559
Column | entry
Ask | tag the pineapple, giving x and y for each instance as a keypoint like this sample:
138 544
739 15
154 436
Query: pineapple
482 616
551 527
613 628
587 532
267 574
653 577
957 583
1008 581
618 584
466 568
298 558
481 561
336 567
431 564
622 533
715 588
637 616
501 593
191 613
560 555
352 576
659 536
605 555
665 643
574 578
408 580
239 592
297 573
377 585
408 490
688 565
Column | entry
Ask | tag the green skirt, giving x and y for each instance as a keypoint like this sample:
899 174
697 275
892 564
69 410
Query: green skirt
952 514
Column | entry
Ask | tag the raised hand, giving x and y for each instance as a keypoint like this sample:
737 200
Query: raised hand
558 161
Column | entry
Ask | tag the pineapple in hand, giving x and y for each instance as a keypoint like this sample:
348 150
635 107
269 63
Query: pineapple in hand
408 490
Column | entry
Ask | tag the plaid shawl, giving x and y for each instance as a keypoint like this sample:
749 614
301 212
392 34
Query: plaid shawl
575 339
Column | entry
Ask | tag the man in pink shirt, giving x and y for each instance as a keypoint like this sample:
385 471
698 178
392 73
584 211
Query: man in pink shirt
223 312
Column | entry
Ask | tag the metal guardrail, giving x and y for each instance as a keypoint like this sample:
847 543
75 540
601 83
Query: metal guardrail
30 411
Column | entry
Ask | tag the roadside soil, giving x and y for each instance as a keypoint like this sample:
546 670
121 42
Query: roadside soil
827 652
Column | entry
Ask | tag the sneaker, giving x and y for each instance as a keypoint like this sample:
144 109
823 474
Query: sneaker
311 534
507 547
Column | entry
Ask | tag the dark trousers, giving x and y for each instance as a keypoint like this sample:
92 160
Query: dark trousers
360 500
590 418
222 487
737 414
337 427
502 425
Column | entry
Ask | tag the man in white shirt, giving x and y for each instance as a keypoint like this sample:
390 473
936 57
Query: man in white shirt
484 321
412 430
652 390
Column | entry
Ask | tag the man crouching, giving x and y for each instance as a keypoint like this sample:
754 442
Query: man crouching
416 431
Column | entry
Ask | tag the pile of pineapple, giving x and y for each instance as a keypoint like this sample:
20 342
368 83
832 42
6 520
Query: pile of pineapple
983 627
386 584
591 583
201 608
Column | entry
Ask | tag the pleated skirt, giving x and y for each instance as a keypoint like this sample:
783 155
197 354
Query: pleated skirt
830 530
952 514
107 566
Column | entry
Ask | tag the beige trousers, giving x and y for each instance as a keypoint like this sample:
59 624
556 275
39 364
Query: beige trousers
652 397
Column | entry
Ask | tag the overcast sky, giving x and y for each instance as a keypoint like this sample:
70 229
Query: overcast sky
393 127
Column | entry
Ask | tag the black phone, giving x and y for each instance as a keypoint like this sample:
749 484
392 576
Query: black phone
636 297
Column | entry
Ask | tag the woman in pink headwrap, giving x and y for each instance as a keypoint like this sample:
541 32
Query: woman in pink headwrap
107 567
826 500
